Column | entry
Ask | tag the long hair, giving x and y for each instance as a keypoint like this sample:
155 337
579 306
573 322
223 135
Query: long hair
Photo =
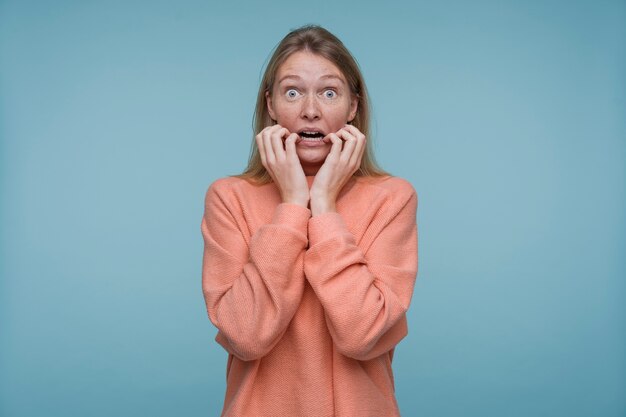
317 40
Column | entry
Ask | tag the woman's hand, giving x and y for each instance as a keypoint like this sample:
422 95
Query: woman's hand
283 164
337 169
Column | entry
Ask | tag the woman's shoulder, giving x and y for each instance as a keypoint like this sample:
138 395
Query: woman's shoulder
230 183
384 196
234 189
224 186
393 185
225 183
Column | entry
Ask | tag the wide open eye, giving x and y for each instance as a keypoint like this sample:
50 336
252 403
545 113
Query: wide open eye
291 93
330 94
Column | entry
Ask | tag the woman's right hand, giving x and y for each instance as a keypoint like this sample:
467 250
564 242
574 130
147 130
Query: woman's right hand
283 164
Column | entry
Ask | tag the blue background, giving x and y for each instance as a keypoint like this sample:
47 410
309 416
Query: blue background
507 117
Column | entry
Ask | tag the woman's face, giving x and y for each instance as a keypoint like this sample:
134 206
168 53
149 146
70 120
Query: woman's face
311 94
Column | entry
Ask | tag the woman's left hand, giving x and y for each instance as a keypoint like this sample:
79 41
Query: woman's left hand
338 168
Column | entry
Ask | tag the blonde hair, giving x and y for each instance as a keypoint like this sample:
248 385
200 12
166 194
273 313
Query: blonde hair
317 40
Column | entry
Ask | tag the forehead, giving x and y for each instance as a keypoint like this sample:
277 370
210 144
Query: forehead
308 66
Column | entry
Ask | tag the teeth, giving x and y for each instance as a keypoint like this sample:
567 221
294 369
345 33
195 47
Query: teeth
312 134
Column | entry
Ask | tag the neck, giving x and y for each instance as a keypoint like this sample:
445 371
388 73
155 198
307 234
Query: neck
310 170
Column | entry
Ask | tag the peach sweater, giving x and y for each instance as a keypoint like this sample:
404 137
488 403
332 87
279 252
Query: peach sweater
309 309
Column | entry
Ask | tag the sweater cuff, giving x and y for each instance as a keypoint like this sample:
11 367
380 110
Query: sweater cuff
324 225
292 215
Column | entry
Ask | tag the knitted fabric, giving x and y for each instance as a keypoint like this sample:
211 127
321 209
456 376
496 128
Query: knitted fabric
309 309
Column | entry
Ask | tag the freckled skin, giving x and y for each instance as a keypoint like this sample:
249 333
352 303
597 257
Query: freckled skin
311 100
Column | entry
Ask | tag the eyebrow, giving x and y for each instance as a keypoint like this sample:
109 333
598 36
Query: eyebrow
295 77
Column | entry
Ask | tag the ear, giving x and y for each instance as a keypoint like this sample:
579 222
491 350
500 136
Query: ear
268 99
354 105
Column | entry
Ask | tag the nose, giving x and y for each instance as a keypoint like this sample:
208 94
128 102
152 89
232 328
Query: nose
310 108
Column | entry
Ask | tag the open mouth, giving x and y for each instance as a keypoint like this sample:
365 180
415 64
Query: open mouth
311 135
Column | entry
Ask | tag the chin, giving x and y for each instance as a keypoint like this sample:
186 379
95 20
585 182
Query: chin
313 156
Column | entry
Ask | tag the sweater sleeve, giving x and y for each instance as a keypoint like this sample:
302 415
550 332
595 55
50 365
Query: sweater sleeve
251 292
365 295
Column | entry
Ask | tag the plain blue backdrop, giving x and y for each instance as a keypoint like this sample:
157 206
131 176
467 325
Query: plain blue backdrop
508 117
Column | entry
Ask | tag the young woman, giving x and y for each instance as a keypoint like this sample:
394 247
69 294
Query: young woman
310 255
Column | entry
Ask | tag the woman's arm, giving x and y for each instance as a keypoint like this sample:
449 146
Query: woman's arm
251 293
365 295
